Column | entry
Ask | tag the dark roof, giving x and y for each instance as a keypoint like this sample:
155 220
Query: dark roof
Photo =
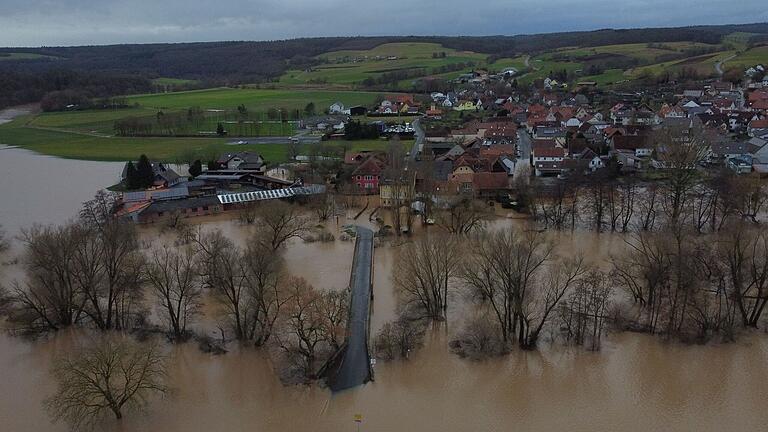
181 204
629 142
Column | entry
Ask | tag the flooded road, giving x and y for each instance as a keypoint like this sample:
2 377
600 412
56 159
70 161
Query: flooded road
636 383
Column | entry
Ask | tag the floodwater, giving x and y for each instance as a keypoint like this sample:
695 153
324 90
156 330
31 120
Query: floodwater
636 383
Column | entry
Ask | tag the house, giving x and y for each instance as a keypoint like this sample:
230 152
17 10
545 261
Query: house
242 161
489 184
547 160
336 108
638 144
434 112
467 105
629 161
367 175
163 175
722 152
358 110
392 191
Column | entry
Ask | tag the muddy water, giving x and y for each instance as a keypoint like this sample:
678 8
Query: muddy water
635 384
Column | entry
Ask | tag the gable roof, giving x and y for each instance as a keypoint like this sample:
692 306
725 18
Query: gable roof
371 166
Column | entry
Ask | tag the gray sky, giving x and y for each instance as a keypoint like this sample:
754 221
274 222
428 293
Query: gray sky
98 22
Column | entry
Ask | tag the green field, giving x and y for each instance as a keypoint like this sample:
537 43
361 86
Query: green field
89 134
79 146
25 56
352 67
219 106
749 58
173 82
253 99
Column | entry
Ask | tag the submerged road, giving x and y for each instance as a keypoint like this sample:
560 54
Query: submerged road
354 365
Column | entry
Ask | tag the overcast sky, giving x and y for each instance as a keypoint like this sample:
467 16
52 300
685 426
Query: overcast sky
98 22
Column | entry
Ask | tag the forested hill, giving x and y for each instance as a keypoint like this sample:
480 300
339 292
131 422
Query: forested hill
27 74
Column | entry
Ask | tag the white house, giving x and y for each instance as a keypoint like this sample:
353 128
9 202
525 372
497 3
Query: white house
336 108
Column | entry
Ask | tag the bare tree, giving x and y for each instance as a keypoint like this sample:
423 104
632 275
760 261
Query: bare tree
109 375
398 338
246 283
424 272
112 303
303 335
501 270
679 149
249 212
537 306
333 307
584 313
176 288
463 216
398 176
324 206
745 255
649 207
50 299
556 205
281 222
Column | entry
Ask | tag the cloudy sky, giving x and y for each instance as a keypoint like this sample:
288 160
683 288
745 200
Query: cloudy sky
91 22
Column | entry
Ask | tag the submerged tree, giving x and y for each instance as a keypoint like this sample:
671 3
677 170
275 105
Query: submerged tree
281 222
108 376
398 338
176 288
517 277
311 326
245 282
424 272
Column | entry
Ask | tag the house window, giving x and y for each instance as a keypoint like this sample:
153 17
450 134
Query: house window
205 208
160 214
359 177
359 185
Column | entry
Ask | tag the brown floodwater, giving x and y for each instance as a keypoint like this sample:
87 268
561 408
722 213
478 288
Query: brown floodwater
636 383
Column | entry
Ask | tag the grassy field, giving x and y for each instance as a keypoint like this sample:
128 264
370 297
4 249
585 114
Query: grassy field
173 81
749 58
253 99
80 146
88 134
352 67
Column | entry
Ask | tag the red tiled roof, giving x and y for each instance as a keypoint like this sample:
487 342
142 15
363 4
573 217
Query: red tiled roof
490 180
549 152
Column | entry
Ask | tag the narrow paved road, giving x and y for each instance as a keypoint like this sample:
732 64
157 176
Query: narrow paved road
719 65
354 366
418 142
525 145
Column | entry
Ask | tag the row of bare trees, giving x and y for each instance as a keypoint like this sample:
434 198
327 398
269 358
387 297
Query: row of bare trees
695 287
513 278
684 193
602 203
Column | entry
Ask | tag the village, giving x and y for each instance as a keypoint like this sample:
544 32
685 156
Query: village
486 141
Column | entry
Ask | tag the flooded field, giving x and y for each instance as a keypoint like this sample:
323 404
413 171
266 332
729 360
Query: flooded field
636 383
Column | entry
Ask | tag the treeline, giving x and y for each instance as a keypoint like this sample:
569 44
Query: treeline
60 87
355 130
